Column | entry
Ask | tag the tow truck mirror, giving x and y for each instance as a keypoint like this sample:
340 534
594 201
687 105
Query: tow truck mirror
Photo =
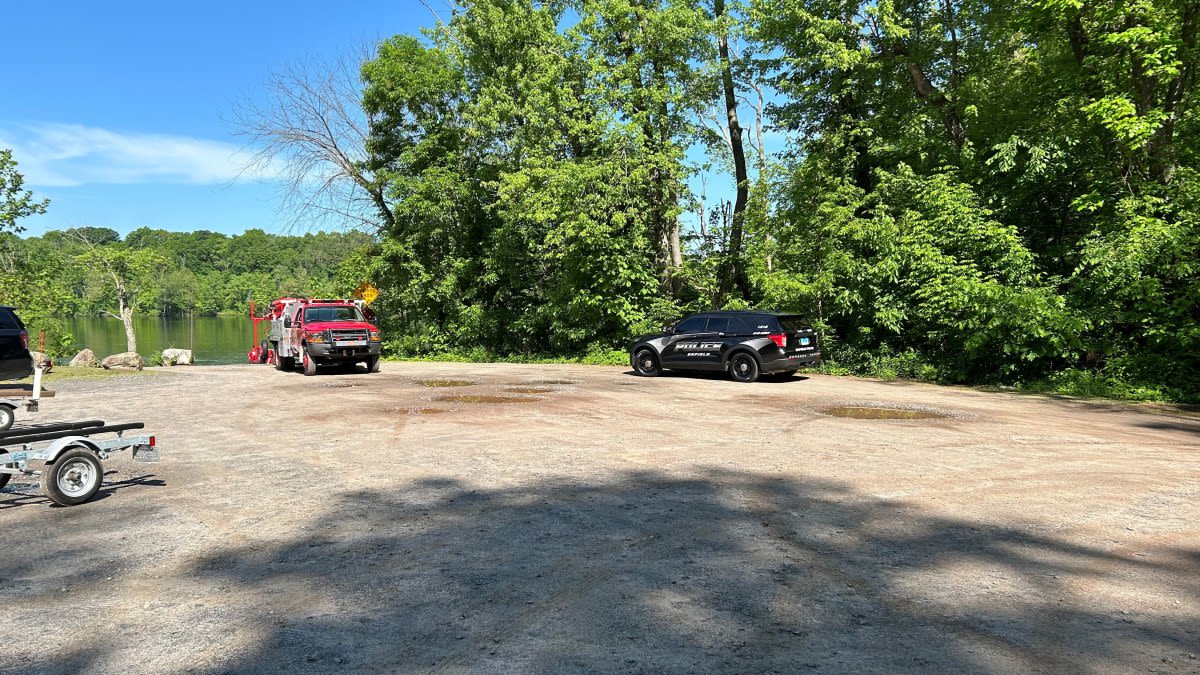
287 322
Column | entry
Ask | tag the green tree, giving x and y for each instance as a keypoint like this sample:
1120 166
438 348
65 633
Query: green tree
15 201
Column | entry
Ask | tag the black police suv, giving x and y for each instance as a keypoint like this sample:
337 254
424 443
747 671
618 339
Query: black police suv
15 362
745 344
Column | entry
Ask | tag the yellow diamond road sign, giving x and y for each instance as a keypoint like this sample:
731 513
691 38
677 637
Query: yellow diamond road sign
366 292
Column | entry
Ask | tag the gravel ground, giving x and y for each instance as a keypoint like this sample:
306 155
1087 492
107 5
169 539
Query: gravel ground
602 522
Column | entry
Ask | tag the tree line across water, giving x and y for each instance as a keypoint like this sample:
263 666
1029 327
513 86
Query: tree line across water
81 272
970 192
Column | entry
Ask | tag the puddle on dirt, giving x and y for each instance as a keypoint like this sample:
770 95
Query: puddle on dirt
446 383
872 413
485 398
529 390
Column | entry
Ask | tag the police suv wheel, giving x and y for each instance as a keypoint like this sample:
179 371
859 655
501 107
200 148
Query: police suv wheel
743 367
645 362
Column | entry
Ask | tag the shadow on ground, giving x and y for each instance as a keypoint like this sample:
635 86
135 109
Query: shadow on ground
727 572
14 495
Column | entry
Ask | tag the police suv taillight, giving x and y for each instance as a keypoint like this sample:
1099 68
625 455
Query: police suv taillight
780 339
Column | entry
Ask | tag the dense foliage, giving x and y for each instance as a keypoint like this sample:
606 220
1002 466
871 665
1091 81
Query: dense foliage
67 273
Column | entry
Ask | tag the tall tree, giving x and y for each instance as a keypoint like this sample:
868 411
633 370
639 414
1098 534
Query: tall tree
15 201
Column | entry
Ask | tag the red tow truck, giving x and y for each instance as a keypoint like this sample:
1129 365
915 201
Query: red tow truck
312 332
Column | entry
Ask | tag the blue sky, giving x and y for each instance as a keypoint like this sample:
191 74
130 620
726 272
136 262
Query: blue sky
117 111
114 110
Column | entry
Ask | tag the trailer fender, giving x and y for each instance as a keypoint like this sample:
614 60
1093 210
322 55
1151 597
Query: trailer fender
61 445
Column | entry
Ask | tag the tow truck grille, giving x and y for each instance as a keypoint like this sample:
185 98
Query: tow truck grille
348 335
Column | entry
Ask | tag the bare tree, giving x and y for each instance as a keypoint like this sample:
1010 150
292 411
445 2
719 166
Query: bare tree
310 129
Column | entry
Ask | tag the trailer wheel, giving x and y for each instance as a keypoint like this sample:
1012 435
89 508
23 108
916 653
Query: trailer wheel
310 366
7 417
4 478
73 478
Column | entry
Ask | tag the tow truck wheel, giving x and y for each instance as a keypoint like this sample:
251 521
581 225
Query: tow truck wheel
373 364
310 366
7 417
73 478
264 352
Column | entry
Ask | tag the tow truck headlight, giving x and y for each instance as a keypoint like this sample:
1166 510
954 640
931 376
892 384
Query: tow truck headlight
375 336
315 336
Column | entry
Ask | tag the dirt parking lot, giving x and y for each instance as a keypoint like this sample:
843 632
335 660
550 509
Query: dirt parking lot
552 519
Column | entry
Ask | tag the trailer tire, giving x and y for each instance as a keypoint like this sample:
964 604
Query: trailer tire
310 366
73 478
7 417
4 478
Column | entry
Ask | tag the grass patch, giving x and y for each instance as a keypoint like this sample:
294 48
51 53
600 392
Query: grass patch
595 357
1088 384
64 373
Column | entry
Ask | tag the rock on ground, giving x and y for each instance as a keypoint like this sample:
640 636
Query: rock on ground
177 357
86 358
123 361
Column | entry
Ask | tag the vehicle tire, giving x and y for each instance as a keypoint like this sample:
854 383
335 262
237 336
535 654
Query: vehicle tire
73 478
373 364
4 478
278 356
264 352
310 366
7 417
743 367
645 362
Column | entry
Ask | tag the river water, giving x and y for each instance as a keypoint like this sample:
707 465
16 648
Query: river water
212 339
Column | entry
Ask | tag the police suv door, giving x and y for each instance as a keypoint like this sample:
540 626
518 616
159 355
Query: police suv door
689 346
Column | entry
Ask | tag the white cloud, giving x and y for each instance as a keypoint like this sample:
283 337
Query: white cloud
52 155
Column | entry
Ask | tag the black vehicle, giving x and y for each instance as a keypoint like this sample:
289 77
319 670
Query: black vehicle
15 361
745 344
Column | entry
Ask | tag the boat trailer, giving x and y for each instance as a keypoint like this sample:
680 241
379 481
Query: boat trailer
70 458
21 395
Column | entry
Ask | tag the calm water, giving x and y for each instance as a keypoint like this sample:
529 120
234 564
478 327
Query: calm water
212 339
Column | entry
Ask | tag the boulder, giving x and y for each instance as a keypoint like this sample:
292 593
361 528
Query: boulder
84 359
123 361
177 357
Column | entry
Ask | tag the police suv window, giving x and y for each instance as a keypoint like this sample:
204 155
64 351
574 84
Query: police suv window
746 325
692 325
718 324
8 320
793 323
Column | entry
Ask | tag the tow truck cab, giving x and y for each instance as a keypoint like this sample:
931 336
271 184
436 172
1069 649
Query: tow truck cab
313 333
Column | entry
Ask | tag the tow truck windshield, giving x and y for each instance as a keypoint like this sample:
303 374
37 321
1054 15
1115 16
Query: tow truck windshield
315 314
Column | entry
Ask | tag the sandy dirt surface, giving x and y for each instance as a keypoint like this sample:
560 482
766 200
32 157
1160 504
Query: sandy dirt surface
607 523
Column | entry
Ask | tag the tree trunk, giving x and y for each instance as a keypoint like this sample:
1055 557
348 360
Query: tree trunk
732 276
127 319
